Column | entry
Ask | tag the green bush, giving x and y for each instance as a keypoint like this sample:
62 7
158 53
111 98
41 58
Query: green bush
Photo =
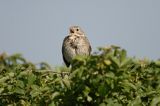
108 77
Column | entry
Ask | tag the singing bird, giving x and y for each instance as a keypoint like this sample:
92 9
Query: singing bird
76 43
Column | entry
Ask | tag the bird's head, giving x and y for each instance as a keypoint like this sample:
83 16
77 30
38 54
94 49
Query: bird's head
76 30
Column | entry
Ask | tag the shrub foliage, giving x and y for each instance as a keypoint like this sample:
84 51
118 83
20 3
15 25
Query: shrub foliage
108 77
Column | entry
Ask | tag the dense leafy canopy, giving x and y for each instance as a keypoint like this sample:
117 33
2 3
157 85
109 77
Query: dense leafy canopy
108 77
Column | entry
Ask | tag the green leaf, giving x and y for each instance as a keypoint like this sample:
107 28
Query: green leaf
102 89
1 90
31 79
102 104
125 62
157 63
136 102
19 90
20 84
52 103
55 94
123 55
89 99
155 101
66 83
3 79
115 62
86 91
34 93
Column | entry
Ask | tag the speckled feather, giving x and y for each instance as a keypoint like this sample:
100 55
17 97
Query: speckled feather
75 44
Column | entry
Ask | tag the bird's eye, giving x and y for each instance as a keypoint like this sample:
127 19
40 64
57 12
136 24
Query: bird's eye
77 29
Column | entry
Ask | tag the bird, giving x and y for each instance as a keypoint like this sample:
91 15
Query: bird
76 43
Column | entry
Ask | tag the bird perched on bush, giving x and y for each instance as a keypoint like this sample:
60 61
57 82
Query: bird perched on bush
76 43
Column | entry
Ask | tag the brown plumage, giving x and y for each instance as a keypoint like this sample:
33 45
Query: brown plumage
76 43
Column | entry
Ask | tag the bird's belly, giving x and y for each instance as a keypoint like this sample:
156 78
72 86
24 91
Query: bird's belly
82 50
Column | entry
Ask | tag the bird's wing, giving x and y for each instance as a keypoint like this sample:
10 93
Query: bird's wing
66 62
89 46
83 46
68 51
90 49
63 51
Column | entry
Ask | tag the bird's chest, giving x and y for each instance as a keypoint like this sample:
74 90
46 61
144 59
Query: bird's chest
75 42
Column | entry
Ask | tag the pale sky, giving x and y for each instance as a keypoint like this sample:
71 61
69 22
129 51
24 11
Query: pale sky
36 28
